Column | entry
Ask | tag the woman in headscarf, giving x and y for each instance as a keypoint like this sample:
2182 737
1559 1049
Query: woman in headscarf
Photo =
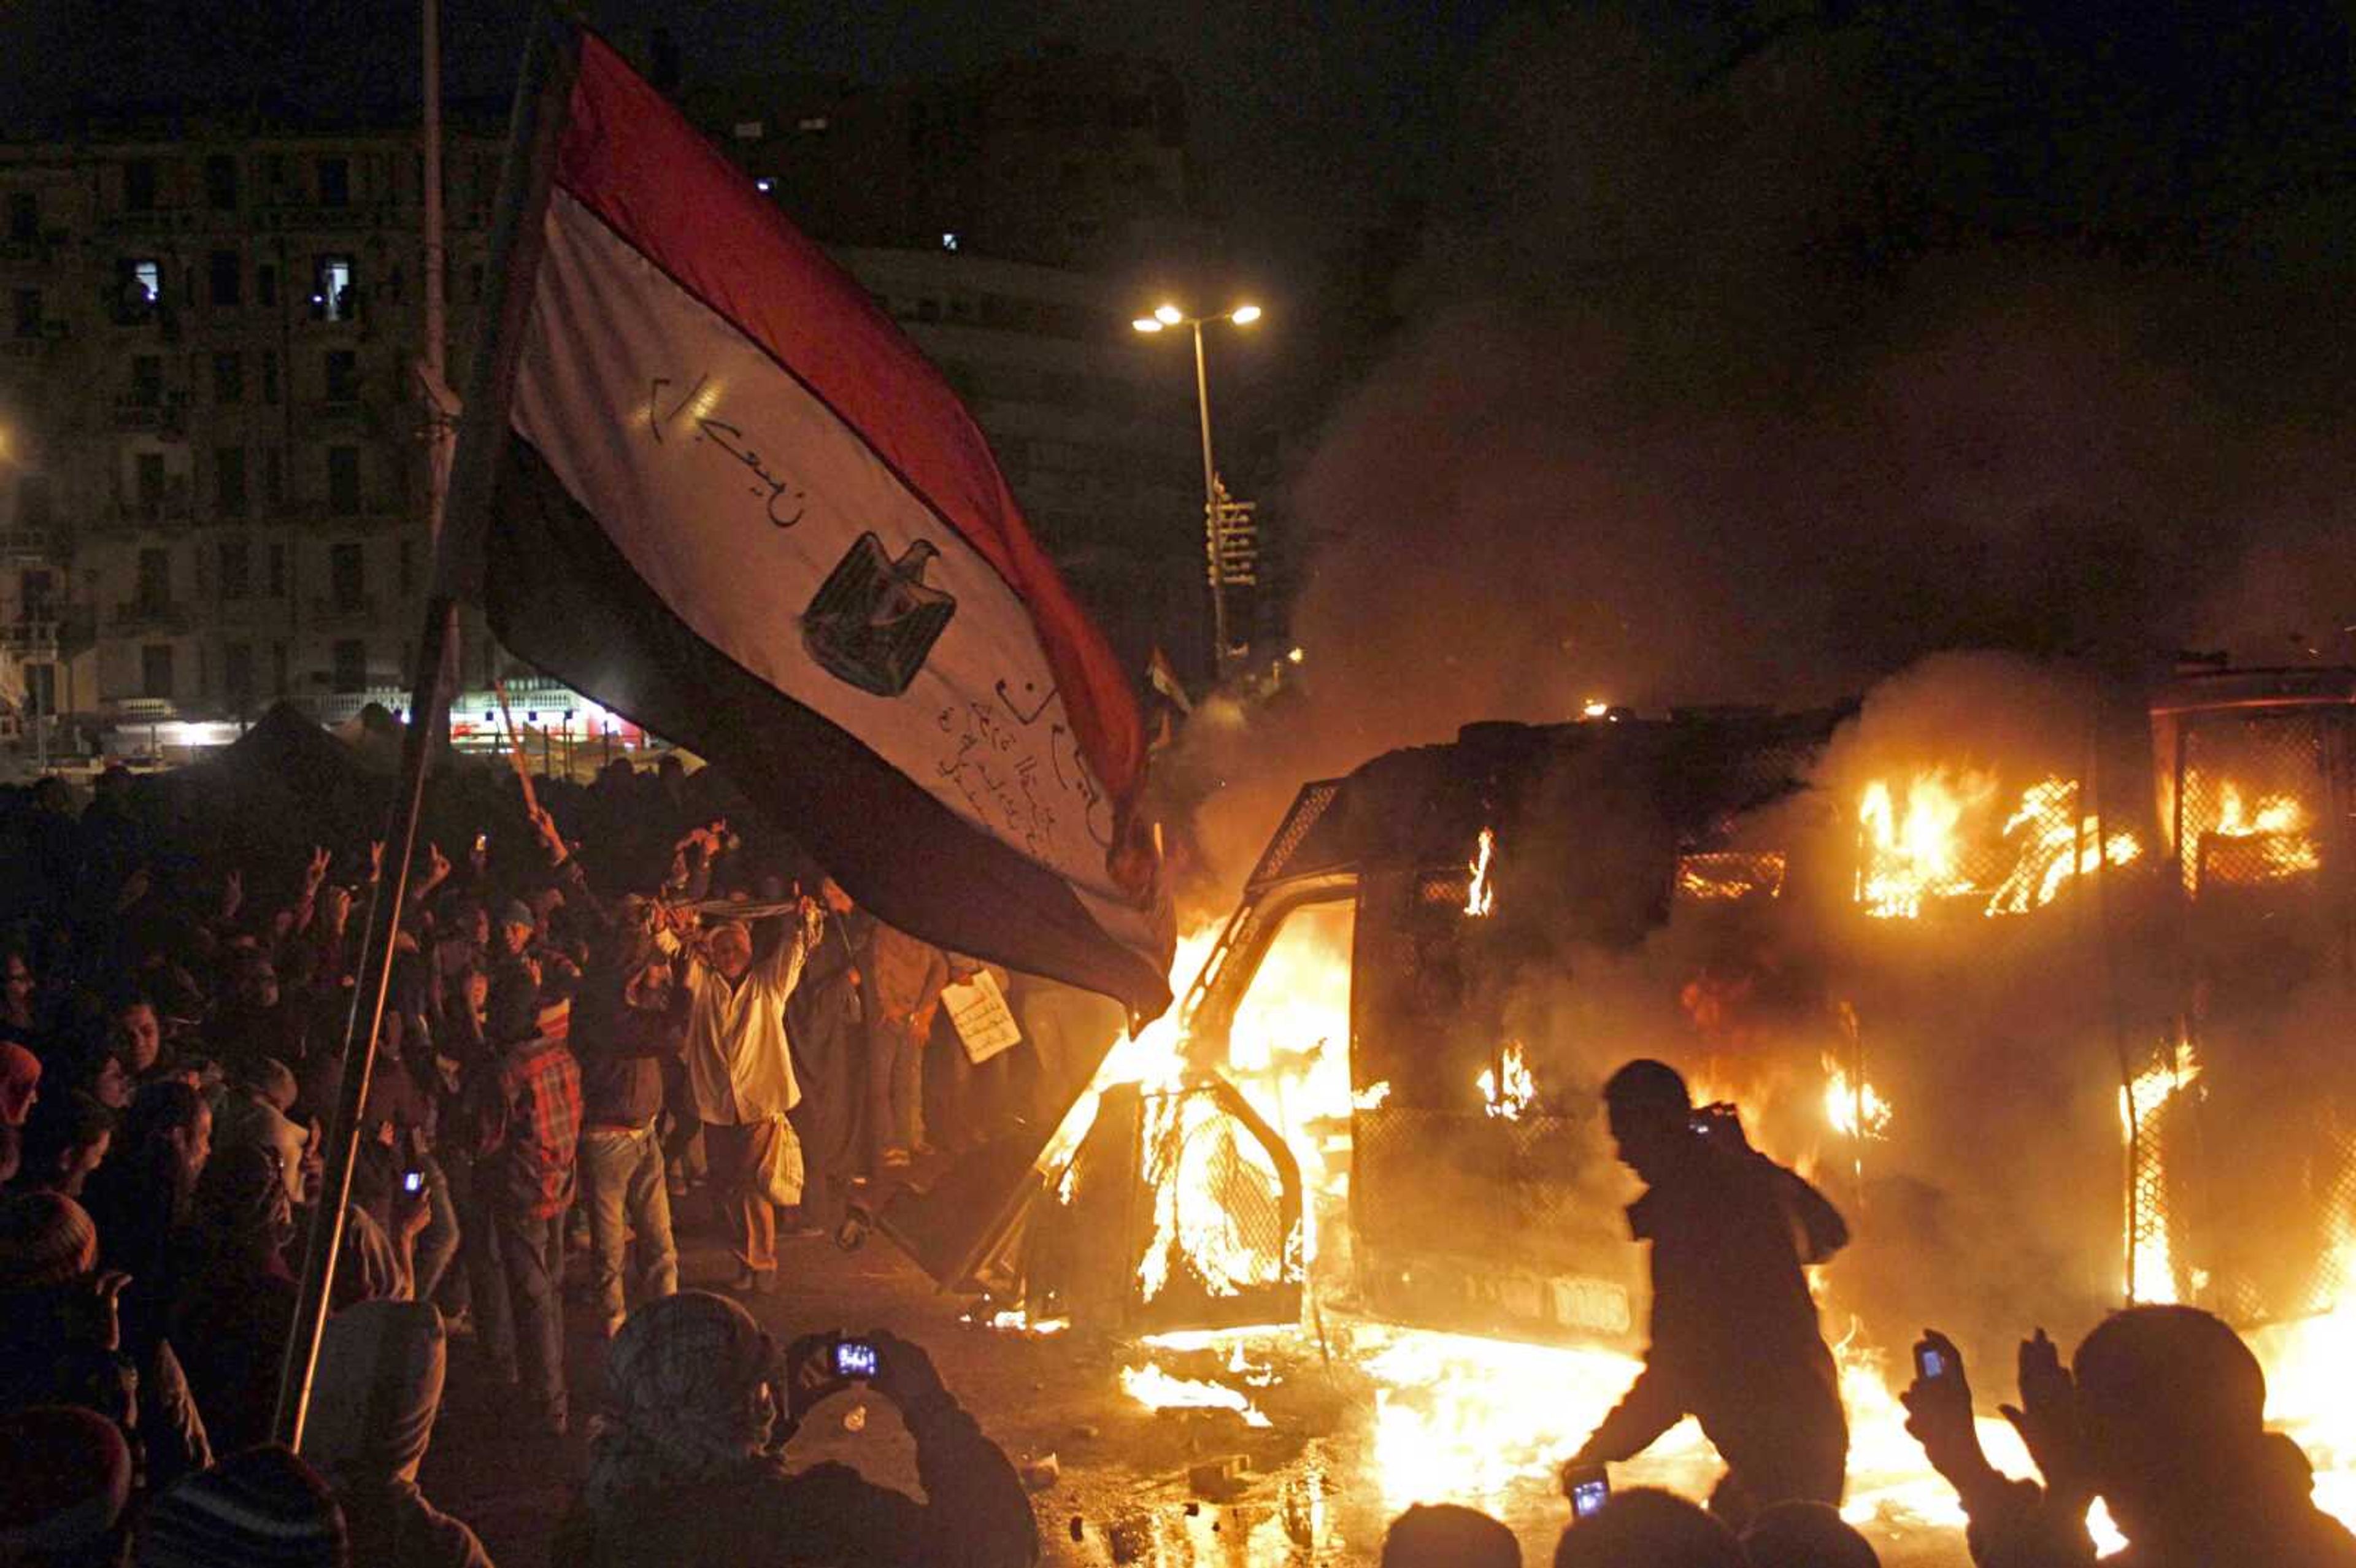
381 1365
682 1469
237 1308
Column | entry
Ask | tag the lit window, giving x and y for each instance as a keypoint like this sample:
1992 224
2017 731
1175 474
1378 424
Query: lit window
749 130
147 277
813 123
949 240
331 291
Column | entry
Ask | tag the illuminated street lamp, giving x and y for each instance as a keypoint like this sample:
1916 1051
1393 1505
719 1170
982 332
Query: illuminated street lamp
1167 314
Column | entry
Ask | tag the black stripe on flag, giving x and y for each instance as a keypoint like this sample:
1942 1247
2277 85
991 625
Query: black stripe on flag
563 597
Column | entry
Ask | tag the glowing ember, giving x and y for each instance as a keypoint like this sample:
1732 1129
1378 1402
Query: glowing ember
1157 1390
1014 1320
1480 898
1721 876
1854 1110
2152 1271
1507 1088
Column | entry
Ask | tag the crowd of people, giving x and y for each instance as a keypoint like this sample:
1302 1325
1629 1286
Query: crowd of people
564 1052
605 1001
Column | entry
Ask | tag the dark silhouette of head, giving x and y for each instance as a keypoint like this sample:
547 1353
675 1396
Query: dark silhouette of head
2174 1406
1796 1534
1650 1115
1645 1528
1445 1535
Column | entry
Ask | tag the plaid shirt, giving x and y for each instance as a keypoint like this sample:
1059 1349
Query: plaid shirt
542 1085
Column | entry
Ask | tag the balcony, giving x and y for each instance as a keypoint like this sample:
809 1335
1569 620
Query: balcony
327 612
149 616
252 611
164 412
30 639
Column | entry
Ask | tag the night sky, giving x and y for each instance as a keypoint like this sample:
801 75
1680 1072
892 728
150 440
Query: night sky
1738 350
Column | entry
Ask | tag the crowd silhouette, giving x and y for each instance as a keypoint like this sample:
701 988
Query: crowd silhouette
606 1002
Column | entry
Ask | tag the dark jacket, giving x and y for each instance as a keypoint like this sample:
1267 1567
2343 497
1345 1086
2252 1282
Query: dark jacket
1734 1335
622 1050
764 1515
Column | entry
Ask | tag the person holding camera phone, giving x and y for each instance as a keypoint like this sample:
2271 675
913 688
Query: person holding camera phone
1734 1335
685 1465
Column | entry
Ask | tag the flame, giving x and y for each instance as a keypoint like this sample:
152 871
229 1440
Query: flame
1856 1110
2278 822
1929 852
1480 898
1372 1096
1913 856
2056 844
1719 876
1157 1390
2152 1271
1508 1088
1195 1160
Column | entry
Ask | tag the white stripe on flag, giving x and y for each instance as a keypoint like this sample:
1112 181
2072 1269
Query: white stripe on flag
736 495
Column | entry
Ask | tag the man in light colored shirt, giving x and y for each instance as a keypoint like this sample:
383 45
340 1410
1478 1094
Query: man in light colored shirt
741 1073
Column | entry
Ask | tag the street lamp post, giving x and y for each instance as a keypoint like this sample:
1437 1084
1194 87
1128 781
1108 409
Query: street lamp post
1167 315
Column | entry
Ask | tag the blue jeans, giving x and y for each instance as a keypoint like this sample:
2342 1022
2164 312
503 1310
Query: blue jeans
622 1183
532 1256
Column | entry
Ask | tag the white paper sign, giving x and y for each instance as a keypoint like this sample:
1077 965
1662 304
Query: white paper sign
984 1022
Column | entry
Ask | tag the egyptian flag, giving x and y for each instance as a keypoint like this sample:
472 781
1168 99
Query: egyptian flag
737 506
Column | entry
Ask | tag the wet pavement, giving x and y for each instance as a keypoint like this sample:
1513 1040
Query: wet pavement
1341 1453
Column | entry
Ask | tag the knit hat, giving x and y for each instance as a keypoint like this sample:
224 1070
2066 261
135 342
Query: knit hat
46 1239
518 912
260 1509
21 1074
69 1477
381 1366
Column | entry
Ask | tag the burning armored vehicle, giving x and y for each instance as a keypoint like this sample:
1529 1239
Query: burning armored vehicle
2062 1020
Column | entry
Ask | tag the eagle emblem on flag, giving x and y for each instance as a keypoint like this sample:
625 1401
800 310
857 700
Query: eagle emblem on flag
874 620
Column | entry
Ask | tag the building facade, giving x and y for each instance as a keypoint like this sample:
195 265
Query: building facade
213 438
214 490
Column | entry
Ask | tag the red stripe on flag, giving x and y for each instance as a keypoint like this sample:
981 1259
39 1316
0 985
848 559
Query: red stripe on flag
629 156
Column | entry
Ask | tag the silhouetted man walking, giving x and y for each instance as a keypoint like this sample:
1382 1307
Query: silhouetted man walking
1734 1335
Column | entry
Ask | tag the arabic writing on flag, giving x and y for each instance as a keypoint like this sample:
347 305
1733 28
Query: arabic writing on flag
740 507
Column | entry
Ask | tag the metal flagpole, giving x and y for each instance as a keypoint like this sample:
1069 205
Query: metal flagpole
537 119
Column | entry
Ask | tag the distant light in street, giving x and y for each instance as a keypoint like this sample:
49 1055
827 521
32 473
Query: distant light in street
1168 314
1244 314
764 185
1596 708
1297 654
1146 323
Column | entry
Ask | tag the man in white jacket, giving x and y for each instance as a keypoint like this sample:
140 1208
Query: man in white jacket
741 1072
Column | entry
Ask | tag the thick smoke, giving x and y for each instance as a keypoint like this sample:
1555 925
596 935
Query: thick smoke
1747 373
